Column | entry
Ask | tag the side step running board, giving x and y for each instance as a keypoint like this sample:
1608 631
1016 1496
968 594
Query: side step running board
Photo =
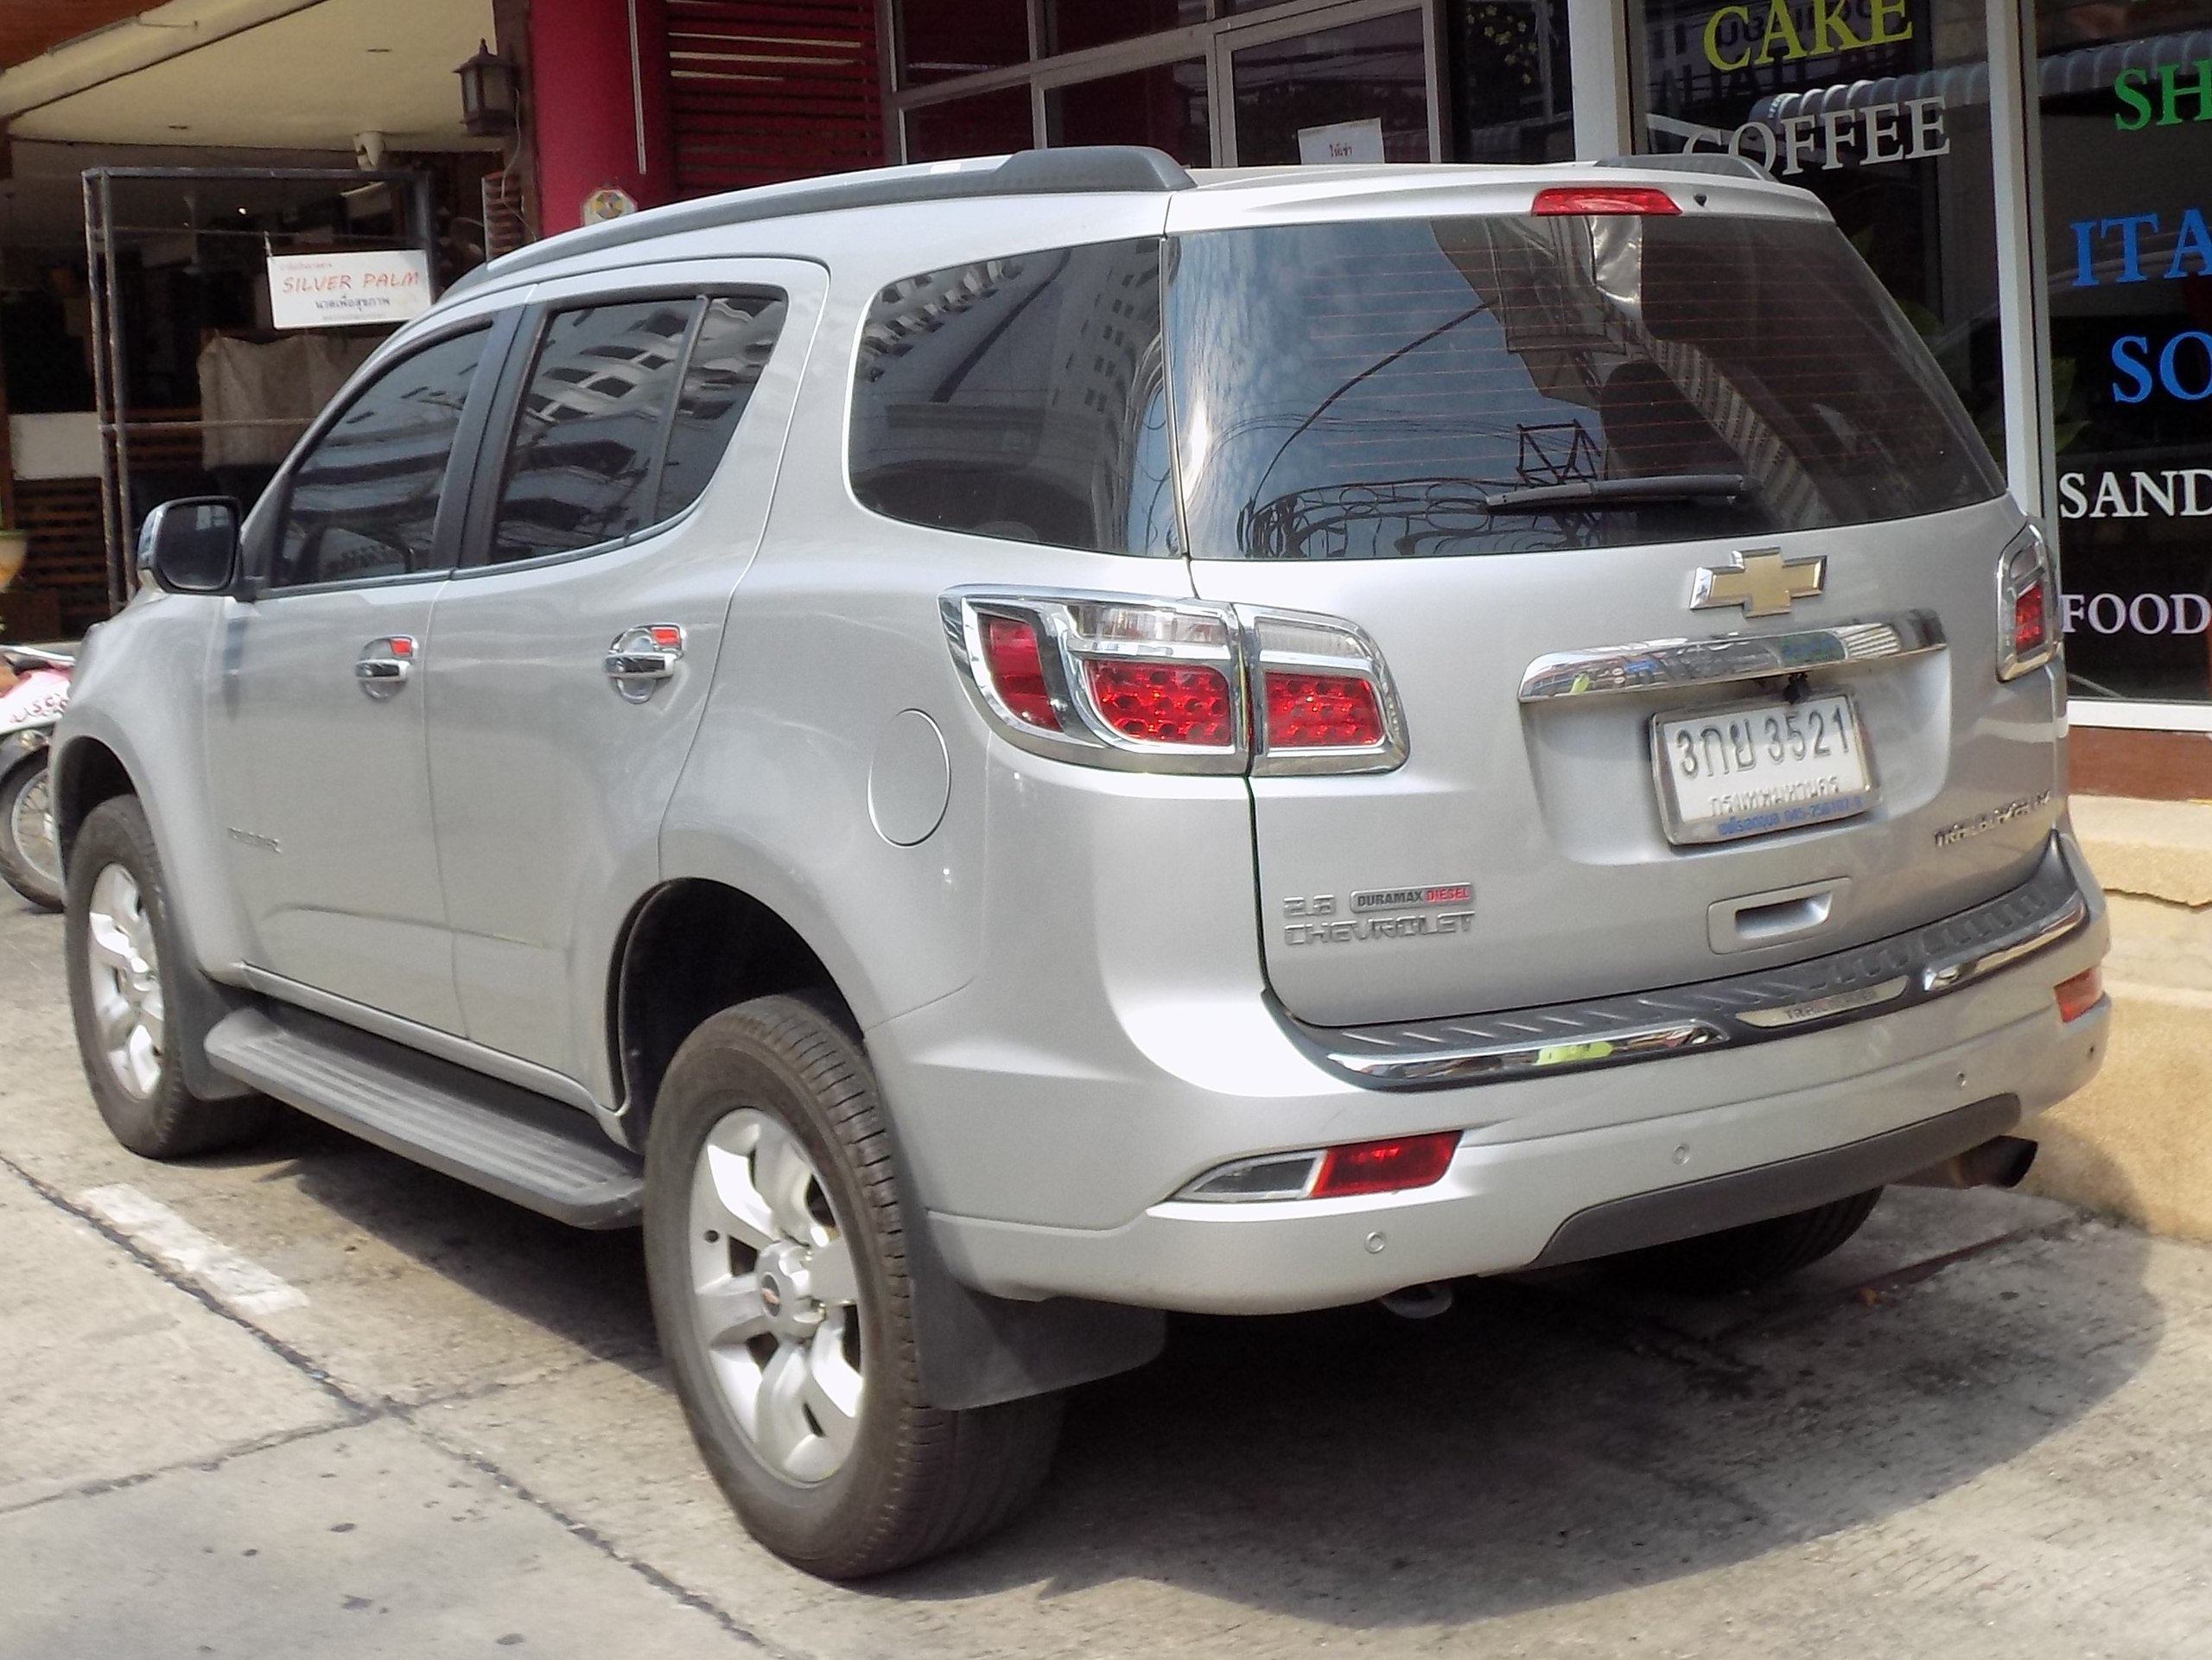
551 1158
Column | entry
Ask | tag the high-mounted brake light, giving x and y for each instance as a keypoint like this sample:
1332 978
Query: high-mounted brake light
2027 605
1602 199
1175 685
1018 670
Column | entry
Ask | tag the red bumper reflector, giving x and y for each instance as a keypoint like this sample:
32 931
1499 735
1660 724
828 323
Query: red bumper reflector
1617 199
2078 996
1010 651
1385 1167
1320 711
1162 702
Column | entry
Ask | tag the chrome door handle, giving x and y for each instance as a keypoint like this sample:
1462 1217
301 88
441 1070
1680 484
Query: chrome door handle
642 656
384 666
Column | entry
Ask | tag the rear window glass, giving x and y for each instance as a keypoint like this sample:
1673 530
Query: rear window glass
1495 385
1021 398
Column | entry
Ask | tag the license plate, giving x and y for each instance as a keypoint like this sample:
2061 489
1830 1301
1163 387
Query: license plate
1761 767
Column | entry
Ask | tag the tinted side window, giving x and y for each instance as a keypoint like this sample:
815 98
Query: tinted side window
1020 397
363 500
734 340
581 463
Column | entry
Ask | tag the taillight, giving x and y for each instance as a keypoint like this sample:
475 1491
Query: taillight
1017 669
2027 605
1176 685
1319 711
1604 198
1155 702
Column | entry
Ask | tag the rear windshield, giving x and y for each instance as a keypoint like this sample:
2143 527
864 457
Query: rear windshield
1395 388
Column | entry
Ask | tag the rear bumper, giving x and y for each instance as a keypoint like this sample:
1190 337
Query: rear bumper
1511 1204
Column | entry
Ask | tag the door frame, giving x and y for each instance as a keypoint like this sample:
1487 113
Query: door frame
1233 37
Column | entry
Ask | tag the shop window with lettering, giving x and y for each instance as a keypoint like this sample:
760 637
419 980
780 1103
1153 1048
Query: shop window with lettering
1878 107
2127 111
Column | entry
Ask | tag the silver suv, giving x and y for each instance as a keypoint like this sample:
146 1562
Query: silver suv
996 748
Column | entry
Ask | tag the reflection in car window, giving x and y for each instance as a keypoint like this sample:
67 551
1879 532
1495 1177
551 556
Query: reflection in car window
1021 398
364 501
1383 388
585 441
734 340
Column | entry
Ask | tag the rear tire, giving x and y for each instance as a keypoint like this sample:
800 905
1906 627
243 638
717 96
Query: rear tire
124 960
775 1244
1736 1259
30 861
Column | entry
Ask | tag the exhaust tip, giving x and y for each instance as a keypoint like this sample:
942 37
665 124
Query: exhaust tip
1418 1301
2002 1161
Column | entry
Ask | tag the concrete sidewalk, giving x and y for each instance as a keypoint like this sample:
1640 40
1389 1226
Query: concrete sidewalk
312 1400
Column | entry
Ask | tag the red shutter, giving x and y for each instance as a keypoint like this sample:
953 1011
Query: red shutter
762 90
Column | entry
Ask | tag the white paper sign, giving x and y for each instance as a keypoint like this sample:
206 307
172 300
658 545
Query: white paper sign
1344 141
325 290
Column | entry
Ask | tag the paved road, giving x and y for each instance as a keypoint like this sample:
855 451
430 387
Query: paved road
314 1400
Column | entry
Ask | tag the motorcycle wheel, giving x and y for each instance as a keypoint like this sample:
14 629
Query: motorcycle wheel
30 854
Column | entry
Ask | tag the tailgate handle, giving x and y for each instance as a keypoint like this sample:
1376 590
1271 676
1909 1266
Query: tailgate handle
1756 920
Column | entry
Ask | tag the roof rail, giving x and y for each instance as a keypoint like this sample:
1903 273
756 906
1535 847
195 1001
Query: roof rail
1078 169
1732 166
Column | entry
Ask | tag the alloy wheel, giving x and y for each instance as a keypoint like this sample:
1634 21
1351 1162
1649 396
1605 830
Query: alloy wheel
124 967
776 1296
31 827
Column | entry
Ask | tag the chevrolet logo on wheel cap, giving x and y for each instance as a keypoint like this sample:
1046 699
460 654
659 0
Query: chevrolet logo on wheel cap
1761 580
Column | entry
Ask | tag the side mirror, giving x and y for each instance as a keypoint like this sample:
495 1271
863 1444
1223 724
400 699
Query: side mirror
191 546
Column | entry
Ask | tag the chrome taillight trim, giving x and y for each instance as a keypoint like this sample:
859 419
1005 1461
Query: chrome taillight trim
2044 569
1242 655
1086 736
1364 663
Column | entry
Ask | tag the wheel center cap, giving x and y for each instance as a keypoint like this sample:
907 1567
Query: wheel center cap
786 1297
771 1296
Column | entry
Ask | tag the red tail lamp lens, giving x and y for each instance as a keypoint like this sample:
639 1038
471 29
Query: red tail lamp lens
2078 996
1385 1167
1011 651
1322 712
1160 702
1623 198
2030 621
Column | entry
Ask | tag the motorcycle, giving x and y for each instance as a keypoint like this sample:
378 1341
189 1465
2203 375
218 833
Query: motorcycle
34 690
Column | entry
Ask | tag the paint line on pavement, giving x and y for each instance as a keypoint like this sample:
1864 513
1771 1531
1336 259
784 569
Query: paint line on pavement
236 1281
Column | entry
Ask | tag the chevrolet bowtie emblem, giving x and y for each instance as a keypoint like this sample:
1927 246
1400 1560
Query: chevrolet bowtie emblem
1763 583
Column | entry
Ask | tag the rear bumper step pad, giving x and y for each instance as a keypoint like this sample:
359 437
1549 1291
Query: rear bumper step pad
550 1158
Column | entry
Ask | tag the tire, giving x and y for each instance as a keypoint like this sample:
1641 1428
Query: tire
30 861
125 1005
1736 1259
842 1493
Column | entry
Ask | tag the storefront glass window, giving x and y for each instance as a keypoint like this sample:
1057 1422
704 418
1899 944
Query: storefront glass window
1355 93
1509 64
940 40
1878 107
1164 106
989 124
1071 25
2126 111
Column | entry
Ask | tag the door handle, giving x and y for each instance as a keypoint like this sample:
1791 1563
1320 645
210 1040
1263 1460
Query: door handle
384 666
641 656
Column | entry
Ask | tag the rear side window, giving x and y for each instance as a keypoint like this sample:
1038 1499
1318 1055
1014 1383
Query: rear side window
581 463
1021 398
736 335
1496 385
363 501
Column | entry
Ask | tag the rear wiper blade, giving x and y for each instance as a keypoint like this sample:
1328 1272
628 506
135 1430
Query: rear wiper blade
1659 489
